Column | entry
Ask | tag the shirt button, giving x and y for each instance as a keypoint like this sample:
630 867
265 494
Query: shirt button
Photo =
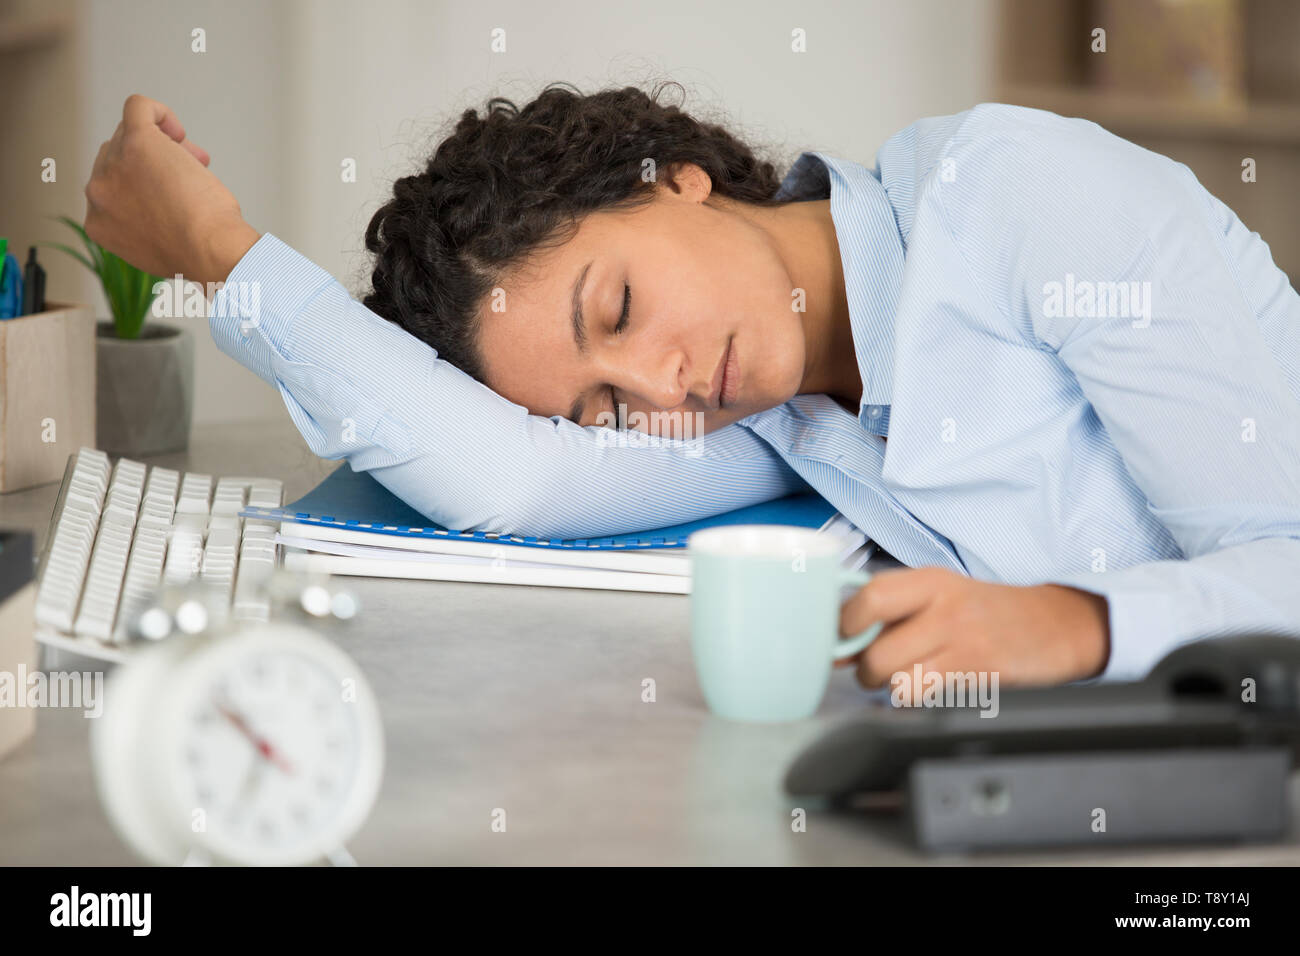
873 411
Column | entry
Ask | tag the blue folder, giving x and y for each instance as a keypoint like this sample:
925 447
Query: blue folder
354 500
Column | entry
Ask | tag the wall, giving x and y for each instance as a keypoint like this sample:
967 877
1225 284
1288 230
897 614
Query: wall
379 81
287 90
230 101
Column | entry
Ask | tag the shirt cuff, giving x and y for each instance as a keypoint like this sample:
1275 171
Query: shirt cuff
1142 622
254 310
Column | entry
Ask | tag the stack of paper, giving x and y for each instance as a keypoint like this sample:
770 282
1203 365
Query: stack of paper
351 524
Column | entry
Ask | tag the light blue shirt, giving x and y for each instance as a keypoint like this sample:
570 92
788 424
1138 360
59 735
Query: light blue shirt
1087 368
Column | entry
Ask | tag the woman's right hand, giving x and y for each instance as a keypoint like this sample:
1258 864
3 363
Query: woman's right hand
152 200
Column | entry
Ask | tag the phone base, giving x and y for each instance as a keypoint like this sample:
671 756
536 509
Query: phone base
1099 798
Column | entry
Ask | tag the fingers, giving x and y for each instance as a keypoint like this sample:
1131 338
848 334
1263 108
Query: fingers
142 111
898 648
890 596
897 598
904 688
197 151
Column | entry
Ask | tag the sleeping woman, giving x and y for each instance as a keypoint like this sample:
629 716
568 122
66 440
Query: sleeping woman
1039 365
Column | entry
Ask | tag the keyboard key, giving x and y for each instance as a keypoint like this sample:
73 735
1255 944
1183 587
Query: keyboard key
125 529
196 494
59 593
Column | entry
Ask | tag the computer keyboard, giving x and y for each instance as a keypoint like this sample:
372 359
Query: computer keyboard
120 531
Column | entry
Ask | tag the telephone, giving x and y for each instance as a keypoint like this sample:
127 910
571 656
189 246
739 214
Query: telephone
1199 749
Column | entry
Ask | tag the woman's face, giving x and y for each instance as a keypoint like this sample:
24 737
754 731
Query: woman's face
700 283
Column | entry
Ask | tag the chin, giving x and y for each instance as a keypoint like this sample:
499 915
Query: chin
779 355
752 406
787 389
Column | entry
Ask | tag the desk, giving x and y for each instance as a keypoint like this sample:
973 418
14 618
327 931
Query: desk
527 699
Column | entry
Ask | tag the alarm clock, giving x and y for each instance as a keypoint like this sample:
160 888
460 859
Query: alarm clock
258 746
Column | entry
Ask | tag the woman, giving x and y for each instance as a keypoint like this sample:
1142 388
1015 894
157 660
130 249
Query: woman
1041 366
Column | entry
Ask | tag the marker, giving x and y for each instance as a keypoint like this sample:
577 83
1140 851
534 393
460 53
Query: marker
11 284
33 285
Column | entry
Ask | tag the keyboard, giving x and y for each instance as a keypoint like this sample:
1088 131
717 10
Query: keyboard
120 531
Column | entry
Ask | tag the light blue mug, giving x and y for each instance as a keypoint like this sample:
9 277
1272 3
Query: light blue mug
765 609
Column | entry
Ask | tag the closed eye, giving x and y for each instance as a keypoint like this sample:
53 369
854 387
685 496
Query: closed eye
619 328
627 307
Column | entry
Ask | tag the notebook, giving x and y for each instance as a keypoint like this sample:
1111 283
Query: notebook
351 524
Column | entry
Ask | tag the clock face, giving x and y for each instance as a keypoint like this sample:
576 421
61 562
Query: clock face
273 749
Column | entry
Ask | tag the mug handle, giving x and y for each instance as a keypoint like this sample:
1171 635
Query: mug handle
853 645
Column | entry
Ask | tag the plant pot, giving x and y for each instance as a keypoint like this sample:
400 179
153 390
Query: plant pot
144 393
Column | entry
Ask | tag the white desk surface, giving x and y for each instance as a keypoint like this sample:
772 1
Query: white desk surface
527 699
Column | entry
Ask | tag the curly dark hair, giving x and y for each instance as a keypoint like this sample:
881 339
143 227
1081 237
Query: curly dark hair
515 181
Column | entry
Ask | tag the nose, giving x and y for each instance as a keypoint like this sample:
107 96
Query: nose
659 378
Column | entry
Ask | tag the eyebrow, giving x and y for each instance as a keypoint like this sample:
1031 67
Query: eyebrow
579 336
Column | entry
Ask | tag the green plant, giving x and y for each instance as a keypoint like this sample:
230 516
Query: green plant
129 290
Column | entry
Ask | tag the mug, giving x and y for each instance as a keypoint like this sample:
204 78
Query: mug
765 607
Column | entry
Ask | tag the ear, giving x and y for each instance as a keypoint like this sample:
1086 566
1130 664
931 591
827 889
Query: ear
688 181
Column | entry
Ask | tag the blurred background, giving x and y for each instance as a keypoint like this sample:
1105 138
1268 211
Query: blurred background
283 93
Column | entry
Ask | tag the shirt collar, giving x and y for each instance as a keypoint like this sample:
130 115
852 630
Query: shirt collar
871 252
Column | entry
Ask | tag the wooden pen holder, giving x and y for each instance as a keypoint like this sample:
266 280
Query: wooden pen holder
47 393
18 656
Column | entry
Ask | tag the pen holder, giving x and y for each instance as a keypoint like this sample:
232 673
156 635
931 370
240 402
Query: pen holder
47 393
18 657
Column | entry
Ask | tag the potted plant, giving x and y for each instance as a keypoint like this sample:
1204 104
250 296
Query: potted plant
144 391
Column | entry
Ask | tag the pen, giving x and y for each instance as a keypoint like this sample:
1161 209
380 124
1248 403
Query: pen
33 285
11 284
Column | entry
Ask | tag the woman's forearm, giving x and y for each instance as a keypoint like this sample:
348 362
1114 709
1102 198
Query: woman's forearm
361 388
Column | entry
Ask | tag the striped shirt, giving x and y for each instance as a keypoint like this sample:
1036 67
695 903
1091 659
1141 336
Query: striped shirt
1087 369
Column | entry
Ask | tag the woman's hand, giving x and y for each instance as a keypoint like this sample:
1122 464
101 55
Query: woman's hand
152 200
1045 634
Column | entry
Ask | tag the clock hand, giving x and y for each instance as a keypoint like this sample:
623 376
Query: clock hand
255 771
262 746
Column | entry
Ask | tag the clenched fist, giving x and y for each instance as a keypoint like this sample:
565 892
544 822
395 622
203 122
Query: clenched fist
152 200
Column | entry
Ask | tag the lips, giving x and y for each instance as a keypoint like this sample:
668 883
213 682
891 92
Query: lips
730 377
725 378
